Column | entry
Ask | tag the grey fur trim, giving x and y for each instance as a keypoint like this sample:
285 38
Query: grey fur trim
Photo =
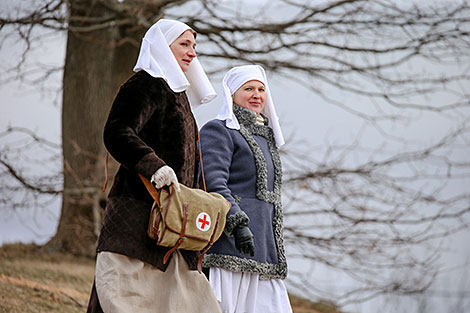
237 199
234 220
249 128
236 264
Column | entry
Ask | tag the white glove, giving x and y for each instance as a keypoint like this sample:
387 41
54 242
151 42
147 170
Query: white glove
165 176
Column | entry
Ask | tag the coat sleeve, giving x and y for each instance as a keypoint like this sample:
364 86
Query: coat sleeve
129 113
217 150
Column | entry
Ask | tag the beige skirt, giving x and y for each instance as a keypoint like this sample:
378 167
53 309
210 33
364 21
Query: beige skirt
126 285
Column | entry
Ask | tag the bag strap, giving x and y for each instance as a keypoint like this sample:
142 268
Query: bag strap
106 171
151 189
209 245
200 162
154 192
182 235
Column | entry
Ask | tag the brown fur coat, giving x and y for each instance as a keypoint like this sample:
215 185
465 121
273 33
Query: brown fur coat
149 126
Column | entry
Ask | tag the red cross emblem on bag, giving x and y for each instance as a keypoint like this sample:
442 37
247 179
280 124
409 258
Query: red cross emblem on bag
203 221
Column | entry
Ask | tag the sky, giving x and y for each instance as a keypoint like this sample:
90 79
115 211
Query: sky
305 118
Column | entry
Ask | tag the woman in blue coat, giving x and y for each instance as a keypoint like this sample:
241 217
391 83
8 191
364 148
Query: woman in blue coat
241 161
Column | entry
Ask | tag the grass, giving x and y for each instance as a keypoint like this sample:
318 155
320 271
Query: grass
35 281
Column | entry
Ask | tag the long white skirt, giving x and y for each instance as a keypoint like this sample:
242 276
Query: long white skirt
126 285
246 293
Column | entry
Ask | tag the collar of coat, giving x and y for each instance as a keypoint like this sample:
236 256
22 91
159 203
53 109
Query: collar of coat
247 117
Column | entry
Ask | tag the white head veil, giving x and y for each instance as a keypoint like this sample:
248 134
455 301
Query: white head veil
156 58
233 80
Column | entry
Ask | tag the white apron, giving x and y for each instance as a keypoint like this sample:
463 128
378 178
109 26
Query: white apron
126 285
246 293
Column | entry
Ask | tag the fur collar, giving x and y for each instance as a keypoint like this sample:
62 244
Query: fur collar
247 117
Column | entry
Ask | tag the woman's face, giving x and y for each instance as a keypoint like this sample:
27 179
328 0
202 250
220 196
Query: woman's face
184 49
251 95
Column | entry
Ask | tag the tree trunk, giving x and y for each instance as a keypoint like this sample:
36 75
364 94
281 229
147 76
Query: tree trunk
89 87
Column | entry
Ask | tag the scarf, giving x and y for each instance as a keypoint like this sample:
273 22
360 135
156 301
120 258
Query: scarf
156 58
232 81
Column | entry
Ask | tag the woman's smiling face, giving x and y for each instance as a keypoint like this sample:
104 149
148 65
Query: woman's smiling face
251 95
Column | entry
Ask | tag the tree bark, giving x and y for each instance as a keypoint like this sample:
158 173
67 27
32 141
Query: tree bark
89 87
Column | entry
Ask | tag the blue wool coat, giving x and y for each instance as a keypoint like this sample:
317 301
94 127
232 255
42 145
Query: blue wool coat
244 166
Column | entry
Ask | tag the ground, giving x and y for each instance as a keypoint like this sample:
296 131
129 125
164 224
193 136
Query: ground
35 281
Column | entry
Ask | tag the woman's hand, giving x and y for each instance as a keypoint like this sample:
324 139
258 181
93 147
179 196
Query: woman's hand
244 241
165 176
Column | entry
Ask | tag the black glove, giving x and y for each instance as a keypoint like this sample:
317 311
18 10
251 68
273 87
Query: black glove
244 240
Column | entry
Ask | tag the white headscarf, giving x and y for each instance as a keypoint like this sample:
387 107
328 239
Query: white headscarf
233 80
156 58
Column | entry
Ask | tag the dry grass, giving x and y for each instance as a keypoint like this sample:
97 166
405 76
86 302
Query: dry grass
35 281
301 305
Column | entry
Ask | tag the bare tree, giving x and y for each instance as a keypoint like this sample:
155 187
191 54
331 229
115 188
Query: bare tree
358 209
382 220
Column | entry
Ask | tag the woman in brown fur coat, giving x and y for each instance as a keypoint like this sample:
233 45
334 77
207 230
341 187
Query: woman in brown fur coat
151 131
